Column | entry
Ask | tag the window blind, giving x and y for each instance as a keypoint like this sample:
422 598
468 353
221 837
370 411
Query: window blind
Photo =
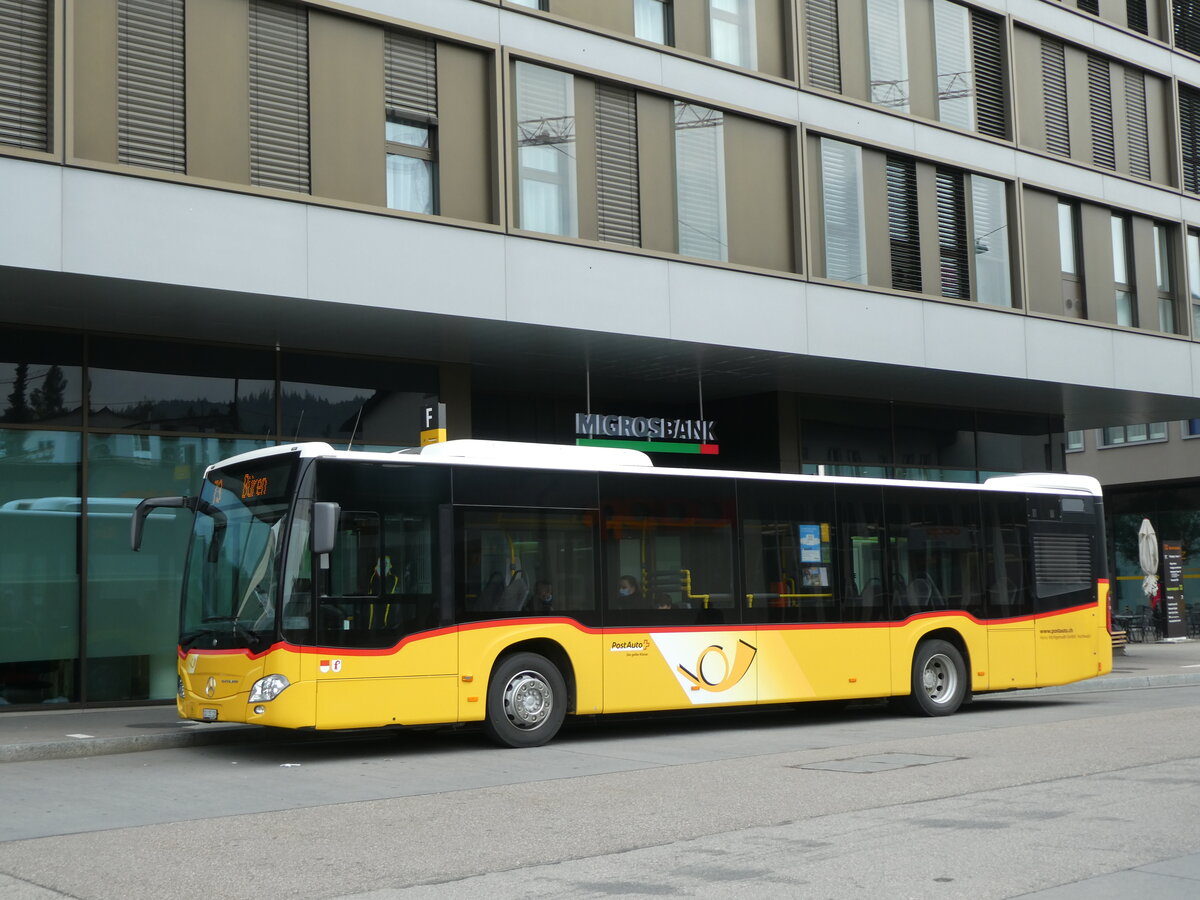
617 197
25 73
410 73
1136 124
1100 101
1054 90
150 99
1189 136
279 95
903 225
1135 16
952 234
1185 16
988 63
821 44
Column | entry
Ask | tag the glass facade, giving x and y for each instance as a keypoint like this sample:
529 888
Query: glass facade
83 619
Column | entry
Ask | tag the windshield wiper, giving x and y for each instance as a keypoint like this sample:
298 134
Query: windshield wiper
252 639
190 637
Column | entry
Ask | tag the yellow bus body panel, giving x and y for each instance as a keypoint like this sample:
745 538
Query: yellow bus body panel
442 676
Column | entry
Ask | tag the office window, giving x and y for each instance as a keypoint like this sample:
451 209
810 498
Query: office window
546 150
887 53
700 181
821 44
1185 16
1190 428
1090 6
952 234
279 95
150 105
1054 91
904 224
1163 278
1193 251
617 191
1123 280
952 52
1068 254
990 236
1074 441
731 25
25 74
842 197
532 4
1122 435
652 20
410 124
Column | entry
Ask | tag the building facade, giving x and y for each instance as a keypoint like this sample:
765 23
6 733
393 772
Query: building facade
908 238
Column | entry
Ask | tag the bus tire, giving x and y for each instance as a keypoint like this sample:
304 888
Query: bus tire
939 679
526 701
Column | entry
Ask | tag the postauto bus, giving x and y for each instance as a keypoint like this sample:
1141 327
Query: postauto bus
516 584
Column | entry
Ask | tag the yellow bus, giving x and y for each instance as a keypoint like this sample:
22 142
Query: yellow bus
513 585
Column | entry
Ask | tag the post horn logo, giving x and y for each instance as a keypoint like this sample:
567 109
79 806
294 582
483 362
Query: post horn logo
211 687
728 676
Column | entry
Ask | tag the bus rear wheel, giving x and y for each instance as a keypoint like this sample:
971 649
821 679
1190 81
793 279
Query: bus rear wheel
526 701
939 679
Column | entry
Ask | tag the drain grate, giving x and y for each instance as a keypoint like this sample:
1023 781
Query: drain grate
881 762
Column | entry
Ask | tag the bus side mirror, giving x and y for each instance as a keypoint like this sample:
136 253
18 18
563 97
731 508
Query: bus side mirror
324 529
145 508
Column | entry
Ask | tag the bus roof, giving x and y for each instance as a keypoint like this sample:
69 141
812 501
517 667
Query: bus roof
515 454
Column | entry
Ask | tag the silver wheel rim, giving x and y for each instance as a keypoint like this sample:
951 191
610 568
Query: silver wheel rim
528 700
939 678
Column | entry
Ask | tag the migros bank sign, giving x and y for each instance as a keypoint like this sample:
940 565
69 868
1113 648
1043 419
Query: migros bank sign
649 434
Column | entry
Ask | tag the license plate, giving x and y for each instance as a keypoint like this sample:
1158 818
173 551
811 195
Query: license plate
209 715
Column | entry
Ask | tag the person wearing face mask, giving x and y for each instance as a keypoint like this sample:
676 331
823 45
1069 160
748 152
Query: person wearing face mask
627 591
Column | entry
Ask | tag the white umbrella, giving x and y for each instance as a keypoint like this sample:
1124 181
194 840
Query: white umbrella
1148 557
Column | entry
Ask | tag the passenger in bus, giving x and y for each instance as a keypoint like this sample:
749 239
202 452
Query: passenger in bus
628 592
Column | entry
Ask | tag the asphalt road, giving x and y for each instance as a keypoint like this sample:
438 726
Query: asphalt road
1016 794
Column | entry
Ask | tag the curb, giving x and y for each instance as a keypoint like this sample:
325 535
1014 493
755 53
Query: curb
107 746
1121 683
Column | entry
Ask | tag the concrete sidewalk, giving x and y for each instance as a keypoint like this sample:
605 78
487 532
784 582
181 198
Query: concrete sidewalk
68 733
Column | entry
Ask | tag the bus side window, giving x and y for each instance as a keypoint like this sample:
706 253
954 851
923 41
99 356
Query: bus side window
860 524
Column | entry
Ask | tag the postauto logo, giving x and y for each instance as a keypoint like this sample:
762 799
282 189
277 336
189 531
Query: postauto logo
711 668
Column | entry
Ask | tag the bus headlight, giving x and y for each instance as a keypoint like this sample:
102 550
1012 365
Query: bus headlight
268 688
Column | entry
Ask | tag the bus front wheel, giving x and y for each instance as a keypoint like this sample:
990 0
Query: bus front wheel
526 701
939 679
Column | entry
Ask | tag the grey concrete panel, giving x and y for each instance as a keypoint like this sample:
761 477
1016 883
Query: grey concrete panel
581 287
156 231
1142 362
30 215
1070 179
854 324
729 88
465 17
737 310
1070 354
974 339
580 48
403 264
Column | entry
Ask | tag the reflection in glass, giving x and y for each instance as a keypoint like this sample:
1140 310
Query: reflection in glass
199 389
955 77
409 183
133 598
842 197
40 379
700 181
546 149
39 566
888 53
989 214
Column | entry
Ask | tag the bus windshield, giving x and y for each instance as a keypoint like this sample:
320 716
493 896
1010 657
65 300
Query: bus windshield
231 583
